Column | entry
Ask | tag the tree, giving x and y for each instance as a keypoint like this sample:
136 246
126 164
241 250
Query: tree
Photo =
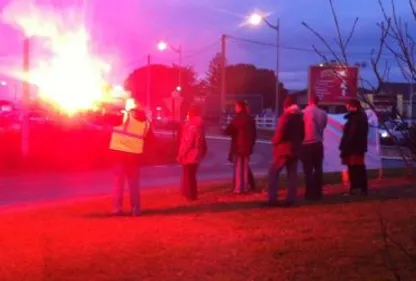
246 79
212 81
163 81
396 39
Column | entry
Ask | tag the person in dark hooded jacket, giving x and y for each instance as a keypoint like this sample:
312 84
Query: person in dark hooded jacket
287 143
242 129
353 146
232 157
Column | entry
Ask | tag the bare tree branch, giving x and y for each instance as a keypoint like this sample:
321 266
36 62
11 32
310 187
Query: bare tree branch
401 45
412 4
322 39
321 54
339 34
354 26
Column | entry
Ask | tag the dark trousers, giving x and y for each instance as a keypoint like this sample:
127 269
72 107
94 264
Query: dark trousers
358 178
251 181
189 186
291 165
126 171
312 159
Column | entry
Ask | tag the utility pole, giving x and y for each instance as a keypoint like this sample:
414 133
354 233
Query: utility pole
277 27
179 51
148 81
223 70
25 99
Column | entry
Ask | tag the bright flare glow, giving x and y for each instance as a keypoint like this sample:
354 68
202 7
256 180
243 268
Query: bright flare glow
130 104
71 78
179 88
3 83
255 19
119 88
162 46
384 134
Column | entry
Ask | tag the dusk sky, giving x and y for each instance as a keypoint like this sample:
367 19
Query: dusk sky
125 31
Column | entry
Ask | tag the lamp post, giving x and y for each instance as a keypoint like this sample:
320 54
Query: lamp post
163 46
257 19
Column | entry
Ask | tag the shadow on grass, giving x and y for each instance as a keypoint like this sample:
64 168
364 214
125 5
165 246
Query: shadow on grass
253 202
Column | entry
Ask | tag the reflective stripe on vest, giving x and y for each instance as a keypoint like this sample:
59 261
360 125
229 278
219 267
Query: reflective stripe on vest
129 137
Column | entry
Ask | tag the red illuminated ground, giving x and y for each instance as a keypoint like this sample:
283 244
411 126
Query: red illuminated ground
221 237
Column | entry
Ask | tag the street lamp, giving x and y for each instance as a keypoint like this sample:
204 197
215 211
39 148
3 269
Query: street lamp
163 46
256 19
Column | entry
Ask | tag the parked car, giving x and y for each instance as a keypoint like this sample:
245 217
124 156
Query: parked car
397 130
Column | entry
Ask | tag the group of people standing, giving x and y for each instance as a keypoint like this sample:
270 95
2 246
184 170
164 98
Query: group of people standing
299 137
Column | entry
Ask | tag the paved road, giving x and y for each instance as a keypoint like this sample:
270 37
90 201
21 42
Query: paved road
26 189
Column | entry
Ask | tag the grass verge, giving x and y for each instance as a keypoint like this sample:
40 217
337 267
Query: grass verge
220 237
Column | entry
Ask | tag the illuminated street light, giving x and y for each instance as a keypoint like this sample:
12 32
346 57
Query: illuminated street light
162 46
255 19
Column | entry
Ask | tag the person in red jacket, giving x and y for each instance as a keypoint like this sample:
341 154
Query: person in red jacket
287 142
192 150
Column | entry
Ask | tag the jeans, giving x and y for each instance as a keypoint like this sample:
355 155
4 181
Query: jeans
291 165
189 187
127 171
312 159
241 174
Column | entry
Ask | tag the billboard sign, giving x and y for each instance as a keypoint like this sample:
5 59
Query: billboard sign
333 84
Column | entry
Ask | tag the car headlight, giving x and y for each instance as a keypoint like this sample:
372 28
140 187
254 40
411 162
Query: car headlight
384 134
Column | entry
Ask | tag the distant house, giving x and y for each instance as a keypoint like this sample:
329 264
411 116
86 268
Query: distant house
405 94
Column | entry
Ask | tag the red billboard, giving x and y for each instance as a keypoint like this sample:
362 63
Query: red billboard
333 84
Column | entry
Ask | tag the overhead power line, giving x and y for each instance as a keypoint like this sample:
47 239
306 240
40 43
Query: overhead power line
309 50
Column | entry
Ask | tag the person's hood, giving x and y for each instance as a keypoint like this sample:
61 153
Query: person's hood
293 109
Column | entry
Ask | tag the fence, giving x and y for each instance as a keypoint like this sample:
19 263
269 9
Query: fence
263 122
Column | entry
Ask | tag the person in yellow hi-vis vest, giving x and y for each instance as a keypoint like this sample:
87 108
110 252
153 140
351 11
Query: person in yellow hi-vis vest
127 143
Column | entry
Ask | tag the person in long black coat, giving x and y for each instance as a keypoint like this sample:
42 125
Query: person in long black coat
353 146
